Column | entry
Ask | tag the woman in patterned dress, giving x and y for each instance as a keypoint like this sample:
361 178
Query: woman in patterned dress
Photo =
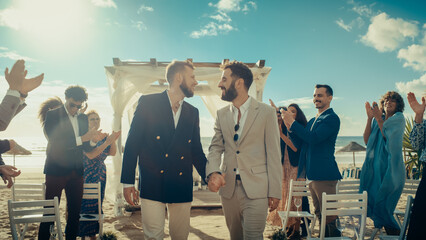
290 160
417 229
94 172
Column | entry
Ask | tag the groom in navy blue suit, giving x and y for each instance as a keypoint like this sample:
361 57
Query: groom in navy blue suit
164 139
317 161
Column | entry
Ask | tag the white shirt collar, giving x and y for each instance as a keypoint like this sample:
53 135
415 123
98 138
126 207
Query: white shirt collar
69 114
243 108
171 104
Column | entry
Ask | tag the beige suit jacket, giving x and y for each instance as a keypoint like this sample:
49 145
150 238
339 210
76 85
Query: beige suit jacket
257 154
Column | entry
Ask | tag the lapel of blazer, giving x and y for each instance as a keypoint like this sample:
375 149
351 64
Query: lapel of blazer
66 122
167 125
251 116
229 120
323 115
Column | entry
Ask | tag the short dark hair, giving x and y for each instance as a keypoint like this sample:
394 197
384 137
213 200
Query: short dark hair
78 93
392 95
176 67
240 70
328 89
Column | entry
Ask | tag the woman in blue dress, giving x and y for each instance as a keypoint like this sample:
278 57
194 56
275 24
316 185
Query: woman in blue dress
383 172
94 172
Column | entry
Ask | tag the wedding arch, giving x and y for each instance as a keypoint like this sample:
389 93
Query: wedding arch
128 80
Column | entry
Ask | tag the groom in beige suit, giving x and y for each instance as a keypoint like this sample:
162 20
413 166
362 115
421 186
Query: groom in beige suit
249 177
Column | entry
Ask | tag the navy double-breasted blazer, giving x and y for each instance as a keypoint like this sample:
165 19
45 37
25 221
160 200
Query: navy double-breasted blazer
317 161
62 153
165 154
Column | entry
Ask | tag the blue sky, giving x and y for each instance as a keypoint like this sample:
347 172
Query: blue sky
361 48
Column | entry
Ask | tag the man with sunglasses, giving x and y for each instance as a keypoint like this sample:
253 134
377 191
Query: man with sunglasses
68 135
249 176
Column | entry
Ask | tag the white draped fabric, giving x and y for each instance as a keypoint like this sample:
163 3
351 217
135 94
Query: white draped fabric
128 81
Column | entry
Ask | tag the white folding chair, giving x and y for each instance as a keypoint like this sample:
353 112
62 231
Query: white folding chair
410 187
28 191
344 205
93 191
24 212
347 187
297 189
407 216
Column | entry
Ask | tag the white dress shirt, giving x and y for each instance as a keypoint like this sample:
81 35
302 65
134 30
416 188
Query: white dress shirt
74 123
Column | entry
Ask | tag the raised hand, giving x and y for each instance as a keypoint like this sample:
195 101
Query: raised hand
216 181
17 81
287 118
273 104
415 105
16 76
377 113
368 110
113 137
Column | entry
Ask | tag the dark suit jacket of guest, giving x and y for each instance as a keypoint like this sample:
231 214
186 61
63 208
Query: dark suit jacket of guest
317 161
62 153
165 154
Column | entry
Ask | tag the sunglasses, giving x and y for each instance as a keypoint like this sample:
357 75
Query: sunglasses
237 126
72 105
94 119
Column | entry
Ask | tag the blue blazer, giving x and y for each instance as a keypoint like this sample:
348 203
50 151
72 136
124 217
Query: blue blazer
317 161
165 154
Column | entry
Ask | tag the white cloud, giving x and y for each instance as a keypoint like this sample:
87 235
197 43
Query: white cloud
363 10
414 56
104 3
221 17
227 5
386 34
139 25
212 29
342 24
249 5
416 86
303 102
350 126
14 56
144 8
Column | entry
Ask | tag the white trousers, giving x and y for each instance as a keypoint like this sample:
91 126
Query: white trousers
153 219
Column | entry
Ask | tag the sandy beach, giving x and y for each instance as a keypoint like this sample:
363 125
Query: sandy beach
206 223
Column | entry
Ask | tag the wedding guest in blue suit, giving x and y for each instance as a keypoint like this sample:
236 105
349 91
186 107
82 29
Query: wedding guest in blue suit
317 161
164 138
417 228
383 172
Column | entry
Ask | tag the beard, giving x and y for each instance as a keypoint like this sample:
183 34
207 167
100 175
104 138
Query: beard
186 90
230 94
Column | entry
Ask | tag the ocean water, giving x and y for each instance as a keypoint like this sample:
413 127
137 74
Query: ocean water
38 148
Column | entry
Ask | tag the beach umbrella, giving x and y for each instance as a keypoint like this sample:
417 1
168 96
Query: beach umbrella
18 150
352 147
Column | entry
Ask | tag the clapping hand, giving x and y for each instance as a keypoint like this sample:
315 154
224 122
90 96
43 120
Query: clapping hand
376 111
415 105
369 110
17 81
287 118
113 137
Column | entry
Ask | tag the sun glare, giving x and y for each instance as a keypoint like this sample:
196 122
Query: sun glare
52 23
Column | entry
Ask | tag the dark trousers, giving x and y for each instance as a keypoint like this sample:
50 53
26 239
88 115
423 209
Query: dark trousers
317 188
417 228
73 185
